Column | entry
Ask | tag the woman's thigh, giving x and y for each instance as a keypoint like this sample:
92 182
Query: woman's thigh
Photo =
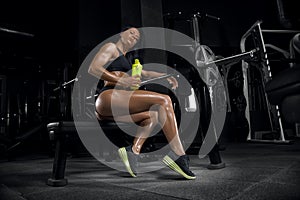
122 102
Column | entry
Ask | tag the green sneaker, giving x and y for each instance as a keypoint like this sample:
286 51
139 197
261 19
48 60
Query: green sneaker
129 159
179 165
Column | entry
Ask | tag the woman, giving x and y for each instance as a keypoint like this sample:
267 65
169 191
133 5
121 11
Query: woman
146 108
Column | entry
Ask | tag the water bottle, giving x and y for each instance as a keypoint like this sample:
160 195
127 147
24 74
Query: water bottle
136 70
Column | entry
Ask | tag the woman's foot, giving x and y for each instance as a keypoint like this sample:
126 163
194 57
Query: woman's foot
129 159
179 164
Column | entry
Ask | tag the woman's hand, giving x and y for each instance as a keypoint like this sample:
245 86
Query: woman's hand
130 81
173 81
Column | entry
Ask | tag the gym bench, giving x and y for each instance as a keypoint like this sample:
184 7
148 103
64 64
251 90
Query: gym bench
61 132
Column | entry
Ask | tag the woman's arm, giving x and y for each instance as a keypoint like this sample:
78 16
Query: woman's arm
105 54
153 74
108 53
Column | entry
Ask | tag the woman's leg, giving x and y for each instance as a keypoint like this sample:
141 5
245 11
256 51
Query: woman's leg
140 101
144 130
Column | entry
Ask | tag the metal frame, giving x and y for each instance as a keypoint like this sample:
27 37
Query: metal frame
266 70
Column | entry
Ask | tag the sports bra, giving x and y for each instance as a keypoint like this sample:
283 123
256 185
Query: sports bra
119 64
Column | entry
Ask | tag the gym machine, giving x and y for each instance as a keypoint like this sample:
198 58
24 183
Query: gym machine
262 64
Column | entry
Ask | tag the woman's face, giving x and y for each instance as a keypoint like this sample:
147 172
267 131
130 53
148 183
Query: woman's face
130 37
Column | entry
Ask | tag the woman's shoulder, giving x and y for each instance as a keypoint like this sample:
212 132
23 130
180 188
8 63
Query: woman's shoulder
110 48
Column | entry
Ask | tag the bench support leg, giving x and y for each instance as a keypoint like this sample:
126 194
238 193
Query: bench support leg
59 165
215 159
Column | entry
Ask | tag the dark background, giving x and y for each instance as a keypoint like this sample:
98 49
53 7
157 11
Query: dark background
64 32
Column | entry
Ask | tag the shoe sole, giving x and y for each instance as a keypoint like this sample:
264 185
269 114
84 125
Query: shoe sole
123 155
172 165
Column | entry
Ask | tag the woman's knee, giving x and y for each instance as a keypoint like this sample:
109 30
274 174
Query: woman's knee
165 100
151 120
